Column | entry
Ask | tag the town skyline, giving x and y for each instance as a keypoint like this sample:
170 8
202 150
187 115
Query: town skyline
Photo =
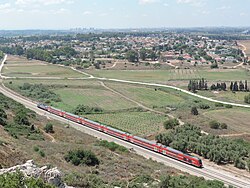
66 14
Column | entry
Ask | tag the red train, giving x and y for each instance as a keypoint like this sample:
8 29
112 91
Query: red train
159 148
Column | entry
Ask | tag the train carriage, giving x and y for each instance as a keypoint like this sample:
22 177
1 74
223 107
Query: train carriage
153 146
72 117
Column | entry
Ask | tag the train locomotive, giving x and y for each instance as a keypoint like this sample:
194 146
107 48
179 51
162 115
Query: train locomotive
159 148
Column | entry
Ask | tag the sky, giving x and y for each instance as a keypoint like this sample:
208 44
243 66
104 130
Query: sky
106 14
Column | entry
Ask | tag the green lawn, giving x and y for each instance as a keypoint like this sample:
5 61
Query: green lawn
138 123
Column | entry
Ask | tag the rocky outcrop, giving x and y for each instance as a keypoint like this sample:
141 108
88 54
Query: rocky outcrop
29 169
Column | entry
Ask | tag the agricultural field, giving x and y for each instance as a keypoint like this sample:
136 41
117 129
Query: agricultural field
148 96
75 92
163 76
227 96
117 113
91 96
19 67
237 119
143 124
246 43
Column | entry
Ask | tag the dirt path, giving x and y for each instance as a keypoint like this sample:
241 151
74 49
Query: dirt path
111 66
139 104
244 49
232 135
48 135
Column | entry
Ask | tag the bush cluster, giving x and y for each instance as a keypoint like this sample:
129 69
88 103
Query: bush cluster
188 138
112 146
84 157
39 92
217 125
83 109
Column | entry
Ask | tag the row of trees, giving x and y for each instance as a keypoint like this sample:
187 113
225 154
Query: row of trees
234 86
219 86
195 85
14 50
188 138
52 55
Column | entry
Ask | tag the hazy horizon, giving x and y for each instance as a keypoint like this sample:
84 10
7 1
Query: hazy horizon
122 14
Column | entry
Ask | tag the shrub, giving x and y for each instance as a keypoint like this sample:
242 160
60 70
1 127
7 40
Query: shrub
82 109
49 128
112 146
204 106
17 179
219 104
214 66
228 106
171 123
82 157
194 111
3 117
214 124
41 153
239 163
36 148
223 126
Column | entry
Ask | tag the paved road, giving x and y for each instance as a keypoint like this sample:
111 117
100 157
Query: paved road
206 172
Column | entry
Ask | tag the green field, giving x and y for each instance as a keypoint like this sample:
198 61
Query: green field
92 93
147 95
138 123
95 97
227 96
161 76
39 70
86 92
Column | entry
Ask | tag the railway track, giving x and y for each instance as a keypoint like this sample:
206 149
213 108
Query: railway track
225 177
207 173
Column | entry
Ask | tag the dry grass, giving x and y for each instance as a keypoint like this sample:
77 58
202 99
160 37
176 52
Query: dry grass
114 166
21 67
246 43
236 119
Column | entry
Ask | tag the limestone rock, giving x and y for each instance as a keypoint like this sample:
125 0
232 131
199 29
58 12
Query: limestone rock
29 169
